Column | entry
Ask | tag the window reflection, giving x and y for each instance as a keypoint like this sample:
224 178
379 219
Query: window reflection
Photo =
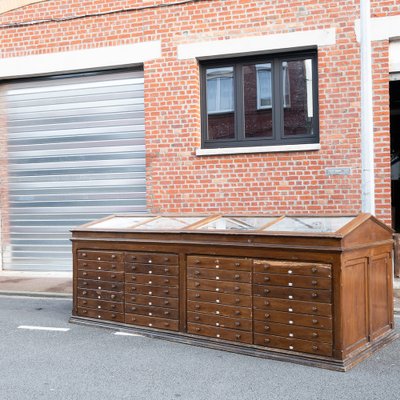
220 103
298 110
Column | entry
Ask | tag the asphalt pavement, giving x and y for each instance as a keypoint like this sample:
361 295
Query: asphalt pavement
85 363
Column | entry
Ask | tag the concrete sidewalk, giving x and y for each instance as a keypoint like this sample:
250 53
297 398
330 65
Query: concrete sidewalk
36 284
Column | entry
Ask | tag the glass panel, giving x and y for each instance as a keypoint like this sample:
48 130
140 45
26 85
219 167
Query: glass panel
257 89
236 223
297 86
310 224
166 223
119 222
220 103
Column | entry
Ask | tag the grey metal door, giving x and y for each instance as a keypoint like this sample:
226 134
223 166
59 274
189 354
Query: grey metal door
76 152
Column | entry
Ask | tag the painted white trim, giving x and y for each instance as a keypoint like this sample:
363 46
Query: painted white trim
258 149
257 44
394 56
79 60
382 28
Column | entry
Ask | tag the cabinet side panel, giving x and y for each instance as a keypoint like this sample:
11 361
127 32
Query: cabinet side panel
354 304
379 274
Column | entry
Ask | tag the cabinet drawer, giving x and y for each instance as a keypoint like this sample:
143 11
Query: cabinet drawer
165 302
152 269
100 295
151 311
236 264
295 268
296 281
296 332
314 321
301 307
152 258
302 346
220 298
99 255
101 305
151 322
99 285
220 333
323 296
221 322
102 315
100 265
102 276
157 280
220 287
219 275
151 290
217 309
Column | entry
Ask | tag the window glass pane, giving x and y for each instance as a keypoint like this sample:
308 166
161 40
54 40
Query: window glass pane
220 103
257 89
298 97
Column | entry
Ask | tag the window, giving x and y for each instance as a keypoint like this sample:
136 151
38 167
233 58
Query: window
260 101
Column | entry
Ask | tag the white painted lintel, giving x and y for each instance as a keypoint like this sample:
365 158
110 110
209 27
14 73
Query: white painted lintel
79 60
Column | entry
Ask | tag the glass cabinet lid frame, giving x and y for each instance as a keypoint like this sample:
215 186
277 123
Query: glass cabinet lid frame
350 221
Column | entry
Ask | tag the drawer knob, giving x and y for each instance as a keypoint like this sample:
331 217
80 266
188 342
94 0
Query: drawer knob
197 261
84 312
113 256
133 258
267 340
150 282
237 323
150 325
266 267
197 318
133 298
197 307
291 322
113 276
218 335
113 266
99 307
99 258
134 278
197 329
291 335
237 288
150 261
166 259
150 293
84 292
314 270
267 328
113 306
197 295
314 295
237 264
315 308
197 284
85 274
291 348
150 303
133 268
99 268
85 264
166 281
290 309
237 276
315 348
150 314
166 323
99 287
238 336
290 272
84 302
267 279
315 321
84 255
218 301
113 296
166 302
113 286
150 272
315 335
166 291
314 283
237 312
237 301
267 303
197 273
266 291
133 308
166 270
166 313
267 315
85 283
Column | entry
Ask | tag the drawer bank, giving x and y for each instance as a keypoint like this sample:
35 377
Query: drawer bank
311 290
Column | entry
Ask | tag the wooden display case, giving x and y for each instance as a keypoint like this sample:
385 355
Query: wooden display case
311 290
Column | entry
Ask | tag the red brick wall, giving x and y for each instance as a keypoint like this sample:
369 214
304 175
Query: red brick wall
275 183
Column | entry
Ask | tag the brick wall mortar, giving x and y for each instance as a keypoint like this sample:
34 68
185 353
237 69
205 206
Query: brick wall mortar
177 180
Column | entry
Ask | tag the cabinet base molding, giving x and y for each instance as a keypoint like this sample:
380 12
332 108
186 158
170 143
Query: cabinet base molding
254 351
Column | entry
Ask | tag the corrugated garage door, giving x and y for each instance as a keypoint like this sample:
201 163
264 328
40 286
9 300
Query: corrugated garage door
76 152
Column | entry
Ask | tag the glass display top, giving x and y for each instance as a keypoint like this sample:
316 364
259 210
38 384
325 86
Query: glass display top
220 223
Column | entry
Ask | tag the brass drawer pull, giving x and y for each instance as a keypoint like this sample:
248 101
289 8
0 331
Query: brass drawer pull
314 270
267 279
85 274
238 336
267 315
267 328
315 321
113 256
84 255
113 296
315 348
166 270
237 276
315 308
315 335
314 295
197 284
237 289
267 340
314 283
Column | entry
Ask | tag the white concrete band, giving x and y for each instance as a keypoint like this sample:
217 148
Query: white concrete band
258 149
79 60
257 44
382 28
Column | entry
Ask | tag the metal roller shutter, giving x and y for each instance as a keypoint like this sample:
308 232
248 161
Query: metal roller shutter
76 152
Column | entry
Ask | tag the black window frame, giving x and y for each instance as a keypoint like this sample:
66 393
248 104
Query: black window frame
278 138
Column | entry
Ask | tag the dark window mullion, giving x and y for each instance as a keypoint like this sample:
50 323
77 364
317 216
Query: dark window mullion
239 103
277 103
